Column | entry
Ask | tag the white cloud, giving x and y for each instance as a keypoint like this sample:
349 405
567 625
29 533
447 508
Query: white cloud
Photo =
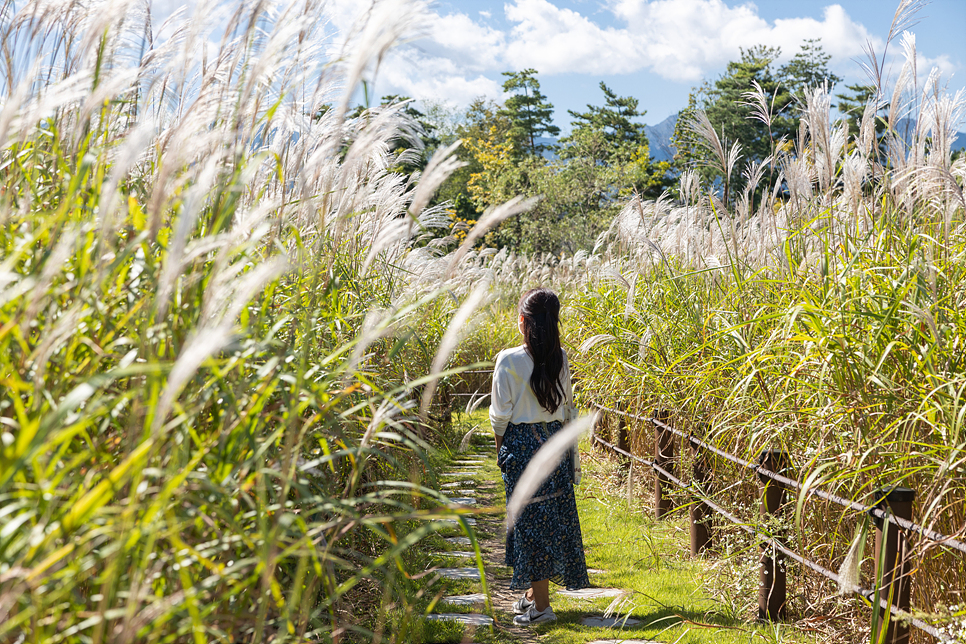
460 38
420 76
943 63
462 54
678 39
555 40
682 40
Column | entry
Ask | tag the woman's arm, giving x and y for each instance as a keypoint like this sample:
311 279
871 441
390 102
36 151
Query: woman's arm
501 397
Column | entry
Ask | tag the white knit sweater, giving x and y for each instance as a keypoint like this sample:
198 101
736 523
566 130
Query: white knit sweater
512 400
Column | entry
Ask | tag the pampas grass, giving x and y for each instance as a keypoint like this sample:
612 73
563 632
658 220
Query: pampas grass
211 335
821 321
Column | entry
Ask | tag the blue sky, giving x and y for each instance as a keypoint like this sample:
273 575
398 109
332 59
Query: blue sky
655 50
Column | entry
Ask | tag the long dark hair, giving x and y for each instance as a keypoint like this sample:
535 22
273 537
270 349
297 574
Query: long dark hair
540 309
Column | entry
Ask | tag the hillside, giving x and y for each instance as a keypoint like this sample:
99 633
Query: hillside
659 136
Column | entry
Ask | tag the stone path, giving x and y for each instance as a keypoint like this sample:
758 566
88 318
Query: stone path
457 553
490 536
472 574
467 618
610 622
592 593
465 600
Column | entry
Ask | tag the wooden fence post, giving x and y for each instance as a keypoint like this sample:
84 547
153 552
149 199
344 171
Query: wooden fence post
772 591
663 456
623 438
700 513
896 563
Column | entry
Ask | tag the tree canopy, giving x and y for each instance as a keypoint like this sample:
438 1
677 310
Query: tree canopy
528 112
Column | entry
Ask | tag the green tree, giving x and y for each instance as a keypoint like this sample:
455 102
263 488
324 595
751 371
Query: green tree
808 69
478 127
622 145
578 199
623 138
687 148
731 113
528 111
852 104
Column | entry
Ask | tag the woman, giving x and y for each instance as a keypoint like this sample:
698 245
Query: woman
531 389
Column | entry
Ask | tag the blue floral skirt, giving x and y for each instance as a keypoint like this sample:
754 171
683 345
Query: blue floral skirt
545 543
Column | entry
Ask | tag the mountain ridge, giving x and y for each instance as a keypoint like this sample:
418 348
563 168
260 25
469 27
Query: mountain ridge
659 138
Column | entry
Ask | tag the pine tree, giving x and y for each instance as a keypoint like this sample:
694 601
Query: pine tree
624 138
808 69
529 112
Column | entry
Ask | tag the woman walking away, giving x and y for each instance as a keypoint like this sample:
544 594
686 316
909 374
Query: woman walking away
531 391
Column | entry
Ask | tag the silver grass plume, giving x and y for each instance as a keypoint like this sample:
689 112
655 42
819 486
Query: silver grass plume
374 326
465 443
761 108
701 126
849 577
474 402
457 327
595 341
386 23
490 218
205 343
543 464
441 166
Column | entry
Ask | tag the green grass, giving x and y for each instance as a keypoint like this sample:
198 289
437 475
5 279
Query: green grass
673 594
210 368
669 590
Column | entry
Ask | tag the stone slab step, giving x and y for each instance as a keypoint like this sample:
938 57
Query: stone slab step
473 574
470 619
457 483
592 571
464 500
592 593
465 600
456 553
460 541
610 622
469 520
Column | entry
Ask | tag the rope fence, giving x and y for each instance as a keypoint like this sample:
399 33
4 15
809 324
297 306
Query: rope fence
891 567
940 539
892 513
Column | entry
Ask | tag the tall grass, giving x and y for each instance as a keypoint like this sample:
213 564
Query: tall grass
824 317
214 327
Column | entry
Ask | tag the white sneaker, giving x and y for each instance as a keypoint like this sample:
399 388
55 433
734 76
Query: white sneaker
534 616
522 605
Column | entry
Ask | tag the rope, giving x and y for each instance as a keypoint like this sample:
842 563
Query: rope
866 594
940 539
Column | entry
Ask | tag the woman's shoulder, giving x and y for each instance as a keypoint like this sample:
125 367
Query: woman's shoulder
513 354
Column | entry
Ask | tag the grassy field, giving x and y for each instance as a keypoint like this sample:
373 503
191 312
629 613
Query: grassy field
676 598
229 329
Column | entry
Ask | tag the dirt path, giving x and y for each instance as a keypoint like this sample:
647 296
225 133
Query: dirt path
493 546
